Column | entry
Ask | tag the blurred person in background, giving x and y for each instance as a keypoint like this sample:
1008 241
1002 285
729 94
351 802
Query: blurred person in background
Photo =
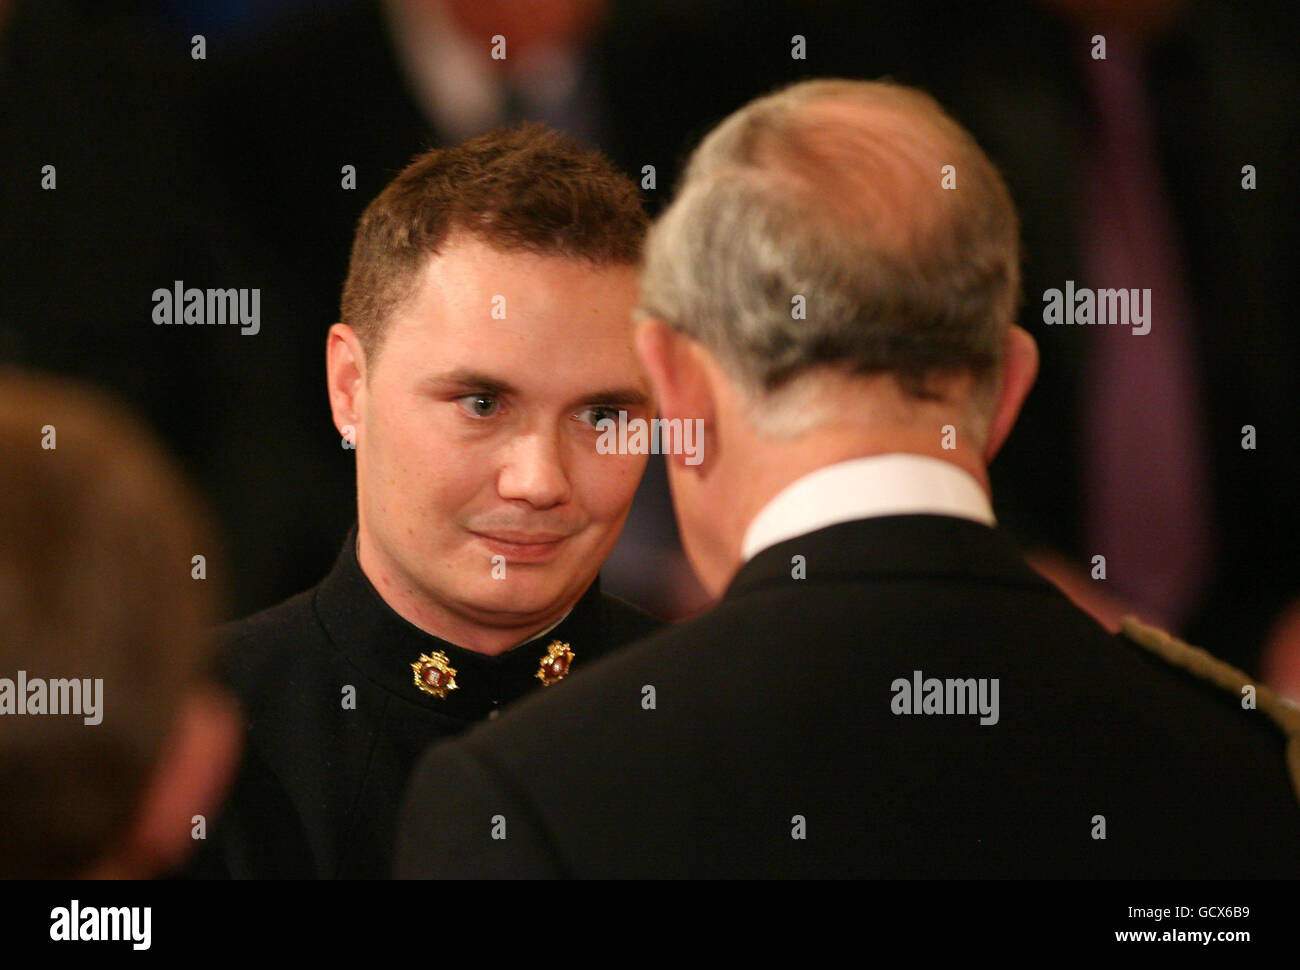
104 615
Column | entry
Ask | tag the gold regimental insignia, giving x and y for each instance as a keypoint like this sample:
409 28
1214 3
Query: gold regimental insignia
434 675
554 667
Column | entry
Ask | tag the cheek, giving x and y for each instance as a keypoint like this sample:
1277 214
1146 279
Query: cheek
447 481
421 466
607 484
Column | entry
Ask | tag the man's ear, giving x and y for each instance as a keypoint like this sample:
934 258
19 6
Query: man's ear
345 373
1019 370
677 371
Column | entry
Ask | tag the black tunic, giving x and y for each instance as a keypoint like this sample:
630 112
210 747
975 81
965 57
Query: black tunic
319 787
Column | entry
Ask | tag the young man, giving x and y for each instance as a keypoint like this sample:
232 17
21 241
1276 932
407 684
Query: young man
486 330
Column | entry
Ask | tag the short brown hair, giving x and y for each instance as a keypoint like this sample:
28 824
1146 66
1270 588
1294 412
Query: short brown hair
97 535
526 189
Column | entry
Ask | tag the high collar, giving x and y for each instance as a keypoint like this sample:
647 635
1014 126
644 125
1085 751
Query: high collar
893 547
383 646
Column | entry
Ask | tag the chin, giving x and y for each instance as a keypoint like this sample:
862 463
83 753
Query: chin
513 596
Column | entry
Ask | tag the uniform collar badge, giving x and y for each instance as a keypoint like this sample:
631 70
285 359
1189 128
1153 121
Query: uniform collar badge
554 667
434 674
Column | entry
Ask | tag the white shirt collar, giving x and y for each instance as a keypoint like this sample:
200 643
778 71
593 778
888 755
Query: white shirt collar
863 488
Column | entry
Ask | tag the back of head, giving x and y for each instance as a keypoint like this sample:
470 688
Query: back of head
97 537
845 226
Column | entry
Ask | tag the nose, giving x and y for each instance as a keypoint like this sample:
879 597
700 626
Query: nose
534 471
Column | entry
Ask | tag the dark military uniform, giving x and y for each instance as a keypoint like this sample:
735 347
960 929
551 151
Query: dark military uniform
762 739
336 720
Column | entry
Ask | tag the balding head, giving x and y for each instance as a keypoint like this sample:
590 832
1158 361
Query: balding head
836 278
813 234
861 139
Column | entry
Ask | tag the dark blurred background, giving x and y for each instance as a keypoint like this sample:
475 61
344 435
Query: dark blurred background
227 171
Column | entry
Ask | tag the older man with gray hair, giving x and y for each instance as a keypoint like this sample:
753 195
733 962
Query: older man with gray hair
884 688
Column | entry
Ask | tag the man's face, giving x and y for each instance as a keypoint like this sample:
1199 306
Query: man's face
479 483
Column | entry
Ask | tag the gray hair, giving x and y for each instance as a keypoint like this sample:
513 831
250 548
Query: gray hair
827 194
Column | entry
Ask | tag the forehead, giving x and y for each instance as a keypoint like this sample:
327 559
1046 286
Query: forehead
475 305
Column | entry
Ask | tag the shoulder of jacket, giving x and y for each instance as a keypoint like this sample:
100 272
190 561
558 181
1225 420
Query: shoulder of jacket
1206 666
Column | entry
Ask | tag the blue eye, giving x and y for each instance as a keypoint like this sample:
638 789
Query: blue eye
479 405
593 416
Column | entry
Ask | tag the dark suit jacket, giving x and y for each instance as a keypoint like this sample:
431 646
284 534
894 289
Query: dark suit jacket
318 791
775 711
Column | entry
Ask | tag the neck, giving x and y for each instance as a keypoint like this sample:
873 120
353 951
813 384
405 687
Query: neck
486 634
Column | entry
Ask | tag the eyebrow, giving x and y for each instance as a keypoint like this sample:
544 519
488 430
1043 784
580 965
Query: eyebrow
468 379
616 395
478 381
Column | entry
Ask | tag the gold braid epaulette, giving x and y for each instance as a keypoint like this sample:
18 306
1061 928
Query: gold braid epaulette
1285 713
